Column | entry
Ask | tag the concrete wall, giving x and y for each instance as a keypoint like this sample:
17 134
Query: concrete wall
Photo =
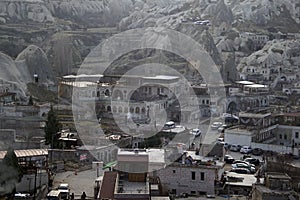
232 137
272 147
28 180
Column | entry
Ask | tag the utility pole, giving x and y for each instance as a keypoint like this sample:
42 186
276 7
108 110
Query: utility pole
34 191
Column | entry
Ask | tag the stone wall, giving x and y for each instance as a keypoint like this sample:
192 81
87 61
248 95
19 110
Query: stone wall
28 181
180 179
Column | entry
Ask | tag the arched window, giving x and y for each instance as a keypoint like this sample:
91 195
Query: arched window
131 109
120 110
143 110
137 110
107 92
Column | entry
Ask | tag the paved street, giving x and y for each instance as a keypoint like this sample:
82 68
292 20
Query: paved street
83 181
216 198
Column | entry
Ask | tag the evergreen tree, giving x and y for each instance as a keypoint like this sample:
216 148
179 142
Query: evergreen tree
10 173
30 102
52 128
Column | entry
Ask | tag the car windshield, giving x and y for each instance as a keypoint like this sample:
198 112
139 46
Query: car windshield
63 187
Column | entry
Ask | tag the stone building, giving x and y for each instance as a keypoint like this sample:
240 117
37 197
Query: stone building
259 39
277 186
192 174
132 177
24 123
254 127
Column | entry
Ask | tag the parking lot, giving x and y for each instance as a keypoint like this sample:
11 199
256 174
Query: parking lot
78 182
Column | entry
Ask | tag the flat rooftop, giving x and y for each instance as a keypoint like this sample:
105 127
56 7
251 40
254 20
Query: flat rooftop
83 76
27 153
241 130
275 175
256 86
161 77
254 114
246 180
264 189
133 187
245 82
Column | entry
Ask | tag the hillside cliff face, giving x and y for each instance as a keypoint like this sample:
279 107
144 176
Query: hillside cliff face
18 11
144 12
19 72
67 30
35 61
84 12
282 15
11 75
278 59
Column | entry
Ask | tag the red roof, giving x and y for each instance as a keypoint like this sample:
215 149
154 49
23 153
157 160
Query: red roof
108 185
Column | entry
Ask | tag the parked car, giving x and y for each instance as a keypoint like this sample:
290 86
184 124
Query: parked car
18 196
220 139
226 145
228 159
246 149
196 132
212 196
235 147
63 188
221 129
243 165
169 125
54 195
242 161
216 125
253 161
115 137
240 170
257 151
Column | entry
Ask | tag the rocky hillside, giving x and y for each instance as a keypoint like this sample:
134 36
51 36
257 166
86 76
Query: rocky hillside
81 12
271 15
277 60
64 32
20 72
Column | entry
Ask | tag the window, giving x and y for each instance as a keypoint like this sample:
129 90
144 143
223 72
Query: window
162 90
193 175
174 171
193 192
296 134
285 137
280 136
173 191
202 176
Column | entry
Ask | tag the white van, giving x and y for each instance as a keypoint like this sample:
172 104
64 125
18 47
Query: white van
64 190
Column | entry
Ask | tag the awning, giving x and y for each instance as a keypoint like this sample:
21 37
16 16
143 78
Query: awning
109 165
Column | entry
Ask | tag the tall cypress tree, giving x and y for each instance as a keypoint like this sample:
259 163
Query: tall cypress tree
52 128
30 101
